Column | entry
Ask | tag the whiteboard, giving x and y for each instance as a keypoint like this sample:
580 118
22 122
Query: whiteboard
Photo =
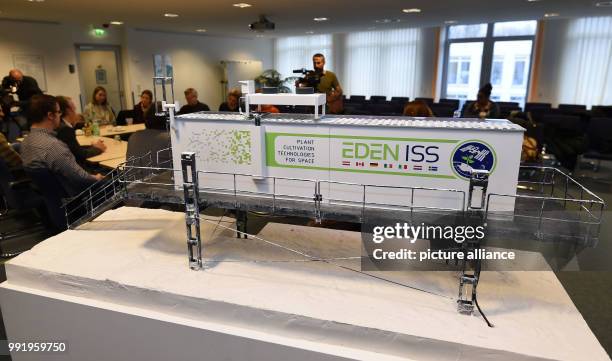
32 65
236 70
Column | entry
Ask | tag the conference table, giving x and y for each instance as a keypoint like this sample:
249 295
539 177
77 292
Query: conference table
111 131
116 149
112 163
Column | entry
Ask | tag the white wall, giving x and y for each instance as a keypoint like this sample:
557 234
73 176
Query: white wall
196 60
54 42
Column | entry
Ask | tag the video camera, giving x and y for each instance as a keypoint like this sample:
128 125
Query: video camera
310 78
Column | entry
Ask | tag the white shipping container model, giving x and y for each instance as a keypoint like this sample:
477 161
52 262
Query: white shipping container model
346 152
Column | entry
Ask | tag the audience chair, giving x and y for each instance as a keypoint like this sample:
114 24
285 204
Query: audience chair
381 109
599 140
53 194
123 115
357 99
428 101
451 102
378 99
144 148
19 197
572 109
600 111
443 110
563 122
540 106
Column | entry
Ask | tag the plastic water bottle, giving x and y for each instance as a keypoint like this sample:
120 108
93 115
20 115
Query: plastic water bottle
457 114
96 128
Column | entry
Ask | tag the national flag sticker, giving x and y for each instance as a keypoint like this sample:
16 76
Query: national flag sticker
433 168
346 162
373 164
417 167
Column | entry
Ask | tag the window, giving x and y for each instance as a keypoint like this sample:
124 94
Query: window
515 28
464 75
296 52
497 70
452 71
519 72
463 70
467 31
587 62
508 45
382 63
459 70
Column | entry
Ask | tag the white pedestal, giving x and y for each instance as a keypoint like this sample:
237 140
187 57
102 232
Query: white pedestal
314 100
119 288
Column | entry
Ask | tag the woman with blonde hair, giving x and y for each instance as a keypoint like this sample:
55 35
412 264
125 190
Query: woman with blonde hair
99 109
417 108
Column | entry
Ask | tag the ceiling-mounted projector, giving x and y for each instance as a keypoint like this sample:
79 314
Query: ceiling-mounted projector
262 24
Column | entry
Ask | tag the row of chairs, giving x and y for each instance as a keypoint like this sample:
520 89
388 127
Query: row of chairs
379 105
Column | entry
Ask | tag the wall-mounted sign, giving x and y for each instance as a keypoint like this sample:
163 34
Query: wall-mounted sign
163 66
100 76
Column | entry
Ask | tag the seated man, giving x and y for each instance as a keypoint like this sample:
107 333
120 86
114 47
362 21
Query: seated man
67 134
193 104
42 149
232 103
24 86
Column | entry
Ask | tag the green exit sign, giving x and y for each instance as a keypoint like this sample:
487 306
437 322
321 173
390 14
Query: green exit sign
98 33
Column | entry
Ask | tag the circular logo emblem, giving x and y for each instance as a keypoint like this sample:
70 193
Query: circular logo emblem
471 155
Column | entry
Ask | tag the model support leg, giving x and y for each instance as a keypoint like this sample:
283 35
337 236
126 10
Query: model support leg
192 209
468 281
476 206
318 198
241 224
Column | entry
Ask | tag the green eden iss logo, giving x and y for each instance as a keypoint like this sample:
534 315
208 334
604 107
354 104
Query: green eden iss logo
418 157
437 158
391 156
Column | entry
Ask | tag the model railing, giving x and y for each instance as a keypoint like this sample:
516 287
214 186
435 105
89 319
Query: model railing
547 198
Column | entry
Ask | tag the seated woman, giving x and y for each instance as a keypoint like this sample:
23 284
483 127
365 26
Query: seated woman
417 108
483 107
99 109
233 100
144 111
67 134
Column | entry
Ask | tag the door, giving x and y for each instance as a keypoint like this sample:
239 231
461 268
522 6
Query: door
100 66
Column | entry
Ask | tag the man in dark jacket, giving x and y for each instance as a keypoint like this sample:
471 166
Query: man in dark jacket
67 134
24 86
193 104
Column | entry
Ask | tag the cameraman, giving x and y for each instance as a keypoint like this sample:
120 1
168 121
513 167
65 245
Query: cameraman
24 86
326 82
